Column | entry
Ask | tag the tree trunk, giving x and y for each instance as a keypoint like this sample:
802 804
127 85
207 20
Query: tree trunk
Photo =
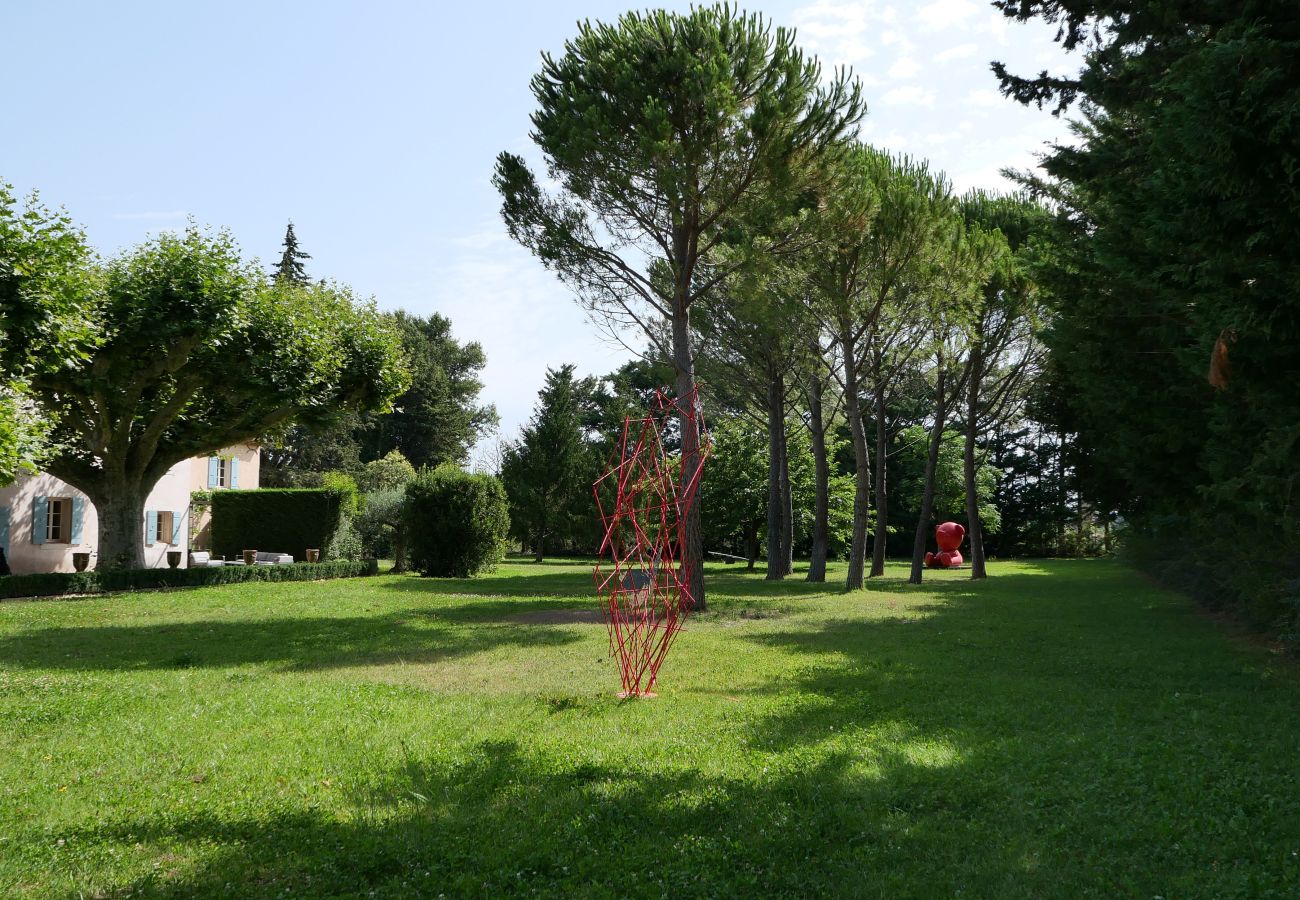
862 464
821 475
1062 496
974 528
787 503
399 550
120 508
751 543
882 488
927 495
689 531
775 438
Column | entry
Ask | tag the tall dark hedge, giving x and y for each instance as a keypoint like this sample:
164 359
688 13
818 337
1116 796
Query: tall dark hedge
456 522
276 520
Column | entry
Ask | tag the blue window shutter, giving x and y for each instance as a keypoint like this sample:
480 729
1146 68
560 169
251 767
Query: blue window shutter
78 510
40 518
234 472
177 519
150 527
4 530
214 466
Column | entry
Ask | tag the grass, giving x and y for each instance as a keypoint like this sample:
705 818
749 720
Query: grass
1063 729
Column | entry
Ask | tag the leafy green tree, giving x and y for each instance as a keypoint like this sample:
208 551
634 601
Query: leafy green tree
180 349
665 132
1178 253
882 232
1003 352
290 269
753 343
23 434
543 472
734 498
456 522
969 254
735 501
438 418
44 261
392 471
382 525
949 501
297 455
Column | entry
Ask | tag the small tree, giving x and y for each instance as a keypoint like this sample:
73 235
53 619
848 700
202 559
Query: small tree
290 269
176 349
393 472
456 522
542 472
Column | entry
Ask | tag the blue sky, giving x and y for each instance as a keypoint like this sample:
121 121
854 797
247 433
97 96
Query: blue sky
374 127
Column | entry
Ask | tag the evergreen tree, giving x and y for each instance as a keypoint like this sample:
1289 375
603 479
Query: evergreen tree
543 472
290 269
1178 253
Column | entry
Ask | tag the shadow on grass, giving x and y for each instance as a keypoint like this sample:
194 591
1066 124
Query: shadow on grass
510 822
292 644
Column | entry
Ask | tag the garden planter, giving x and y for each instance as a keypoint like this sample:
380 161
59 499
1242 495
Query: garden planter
174 558
250 557
313 556
80 561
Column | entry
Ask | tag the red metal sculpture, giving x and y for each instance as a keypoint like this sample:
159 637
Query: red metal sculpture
643 500
949 536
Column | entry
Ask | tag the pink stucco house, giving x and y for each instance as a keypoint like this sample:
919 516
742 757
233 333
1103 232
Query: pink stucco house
44 520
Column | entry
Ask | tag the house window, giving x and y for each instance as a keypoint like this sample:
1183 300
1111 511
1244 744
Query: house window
58 521
166 527
223 472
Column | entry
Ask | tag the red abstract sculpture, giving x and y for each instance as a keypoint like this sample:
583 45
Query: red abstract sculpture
643 500
949 536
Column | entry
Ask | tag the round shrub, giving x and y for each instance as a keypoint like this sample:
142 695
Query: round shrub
456 523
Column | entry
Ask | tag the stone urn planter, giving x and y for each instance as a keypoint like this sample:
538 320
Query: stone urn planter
174 558
80 561
250 557
313 556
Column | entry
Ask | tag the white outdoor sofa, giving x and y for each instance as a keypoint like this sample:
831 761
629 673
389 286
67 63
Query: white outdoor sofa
202 559
273 559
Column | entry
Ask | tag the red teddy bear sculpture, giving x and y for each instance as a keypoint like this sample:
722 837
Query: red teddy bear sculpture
949 536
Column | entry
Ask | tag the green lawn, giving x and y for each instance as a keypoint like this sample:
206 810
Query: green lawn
1063 729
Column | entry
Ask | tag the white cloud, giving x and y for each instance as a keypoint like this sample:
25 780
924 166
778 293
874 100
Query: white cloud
910 95
947 13
985 98
496 294
937 138
905 67
961 51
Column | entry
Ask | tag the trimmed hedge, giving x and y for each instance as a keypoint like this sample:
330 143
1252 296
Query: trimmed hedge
277 520
456 523
56 584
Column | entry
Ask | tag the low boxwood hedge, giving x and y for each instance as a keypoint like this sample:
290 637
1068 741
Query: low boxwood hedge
58 584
